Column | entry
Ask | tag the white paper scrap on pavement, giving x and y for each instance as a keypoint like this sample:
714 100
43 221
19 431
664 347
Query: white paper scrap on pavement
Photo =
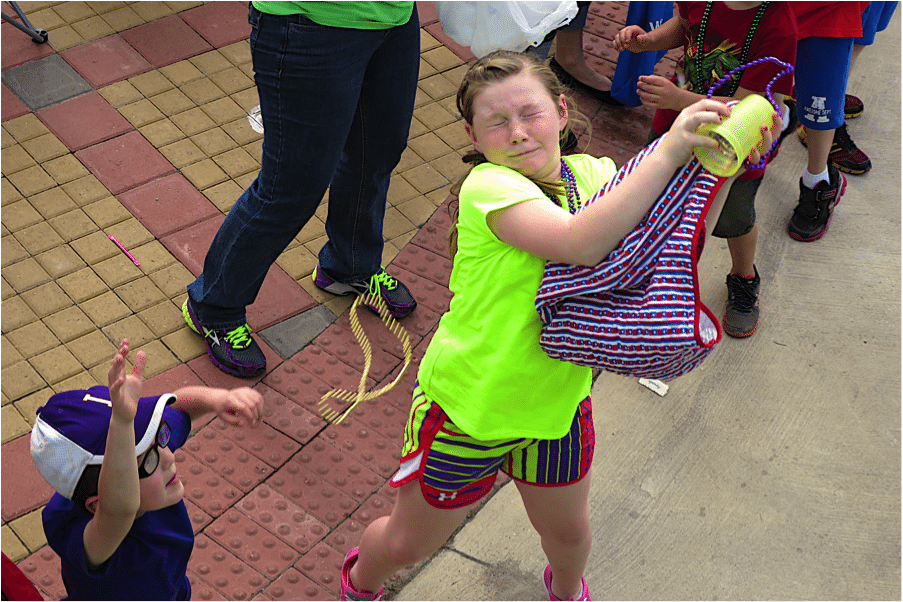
656 386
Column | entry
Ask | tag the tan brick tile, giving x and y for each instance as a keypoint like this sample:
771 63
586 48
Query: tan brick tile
31 180
9 355
313 229
162 318
204 174
6 291
181 73
246 99
421 98
425 178
441 58
94 247
456 74
426 69
51 203
161 133
210 62
82 285
159 358
193 121
46 299
297 262
117 270
8 193
151 11
417 128
13 424
141 113
429 146
449 105
238 53
438 86
454 135
223 110
153 256
29 404
395 224
93 28
440 195
231 80
69 324
15 314
73 11
86 190
130 328
151 83
31 339
241 131
214 141
248 69
6 139
244 182
237 162
338 305
59 261
30 529
47 18
25 127
400 191
418 210
427 42
202 91
182 153
314 245
390 251
185 344
107 212
172 279
408 160
19 380
223 195
92 349
102 310
122 19
83 380
130 233
172 102
19 215
56 365
25 275
16 158
255 150
140 294
64 38
72 225
14 549
11 251
65 169
121 93
450 166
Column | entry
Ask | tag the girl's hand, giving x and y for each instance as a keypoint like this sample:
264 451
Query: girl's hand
658 92
768 137
125 387
241 407
632 38
682 137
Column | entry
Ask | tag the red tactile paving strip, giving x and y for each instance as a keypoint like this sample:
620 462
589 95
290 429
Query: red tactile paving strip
283 518
215 564
31 490
12 107
252 543
167 205
222 455
166 41
220 23
125 162
17 47
88 120
106 61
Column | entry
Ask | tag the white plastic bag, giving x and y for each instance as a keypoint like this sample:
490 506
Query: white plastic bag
490 26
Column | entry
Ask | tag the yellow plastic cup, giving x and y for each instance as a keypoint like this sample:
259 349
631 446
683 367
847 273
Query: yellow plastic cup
736 136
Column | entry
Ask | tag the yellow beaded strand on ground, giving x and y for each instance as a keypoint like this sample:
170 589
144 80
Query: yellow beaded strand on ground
334 416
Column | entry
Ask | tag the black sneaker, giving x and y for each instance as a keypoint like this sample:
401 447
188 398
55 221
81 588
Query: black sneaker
398 298
845 155
815 208
741 314
852 107
233 351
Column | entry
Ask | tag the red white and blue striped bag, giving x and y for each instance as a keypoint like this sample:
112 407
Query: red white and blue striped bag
638 312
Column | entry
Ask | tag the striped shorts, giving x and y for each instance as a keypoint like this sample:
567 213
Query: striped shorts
456 470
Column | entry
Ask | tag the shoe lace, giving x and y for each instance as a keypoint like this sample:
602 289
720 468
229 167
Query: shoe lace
240 337
741 293
382 279
844 141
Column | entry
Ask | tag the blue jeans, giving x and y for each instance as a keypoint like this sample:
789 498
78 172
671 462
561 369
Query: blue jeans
336 105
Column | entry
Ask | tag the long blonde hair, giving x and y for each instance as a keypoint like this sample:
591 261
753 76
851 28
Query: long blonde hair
493 68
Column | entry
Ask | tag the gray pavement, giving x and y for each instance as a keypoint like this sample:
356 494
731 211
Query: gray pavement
772 471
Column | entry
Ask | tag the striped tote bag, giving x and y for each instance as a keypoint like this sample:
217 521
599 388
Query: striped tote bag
638 312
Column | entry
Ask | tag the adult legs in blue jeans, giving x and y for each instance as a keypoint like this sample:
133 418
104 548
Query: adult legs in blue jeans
336 106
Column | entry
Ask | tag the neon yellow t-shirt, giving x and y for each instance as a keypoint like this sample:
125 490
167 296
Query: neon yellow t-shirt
353 15
484 365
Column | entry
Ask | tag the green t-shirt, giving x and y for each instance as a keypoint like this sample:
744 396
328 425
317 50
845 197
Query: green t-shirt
484 365
353 15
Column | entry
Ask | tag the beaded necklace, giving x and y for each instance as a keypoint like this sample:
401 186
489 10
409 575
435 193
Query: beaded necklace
700 39
570 187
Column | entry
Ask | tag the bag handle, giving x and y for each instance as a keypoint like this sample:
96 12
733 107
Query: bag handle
788 69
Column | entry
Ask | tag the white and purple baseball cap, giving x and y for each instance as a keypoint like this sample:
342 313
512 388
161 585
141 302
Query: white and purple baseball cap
71 433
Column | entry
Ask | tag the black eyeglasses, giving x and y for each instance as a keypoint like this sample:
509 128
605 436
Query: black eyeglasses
152 459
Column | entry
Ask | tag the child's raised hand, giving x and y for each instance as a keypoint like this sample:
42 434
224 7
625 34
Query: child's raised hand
658 92
632 38
682 137
125 387
241 407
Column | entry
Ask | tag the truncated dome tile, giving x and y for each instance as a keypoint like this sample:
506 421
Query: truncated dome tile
432 236
340 342
327 367
323 564
339 469
212 493
375 507
298 385
237 465
313 493
283 517
383 417
201 589
293 585
372 450
430 295
199 518
262 440
234 579
425 263
252 543
289 417
43 569
347 535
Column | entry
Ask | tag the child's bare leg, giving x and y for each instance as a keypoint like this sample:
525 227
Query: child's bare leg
743 252
561 517
569 54
819 144
413 531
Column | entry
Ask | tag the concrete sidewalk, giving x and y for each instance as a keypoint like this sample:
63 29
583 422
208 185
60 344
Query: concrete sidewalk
773 471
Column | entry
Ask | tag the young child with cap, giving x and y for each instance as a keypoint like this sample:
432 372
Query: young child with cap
119 525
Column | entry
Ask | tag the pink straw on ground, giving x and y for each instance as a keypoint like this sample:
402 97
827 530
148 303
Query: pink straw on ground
129 255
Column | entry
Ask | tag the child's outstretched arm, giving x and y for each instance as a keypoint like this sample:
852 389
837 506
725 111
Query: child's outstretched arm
239 407
119 495
670 34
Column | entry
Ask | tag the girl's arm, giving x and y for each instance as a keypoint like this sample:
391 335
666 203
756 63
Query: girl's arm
238 407
671 34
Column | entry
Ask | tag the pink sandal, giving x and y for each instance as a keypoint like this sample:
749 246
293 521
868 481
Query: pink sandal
348 592
547 577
